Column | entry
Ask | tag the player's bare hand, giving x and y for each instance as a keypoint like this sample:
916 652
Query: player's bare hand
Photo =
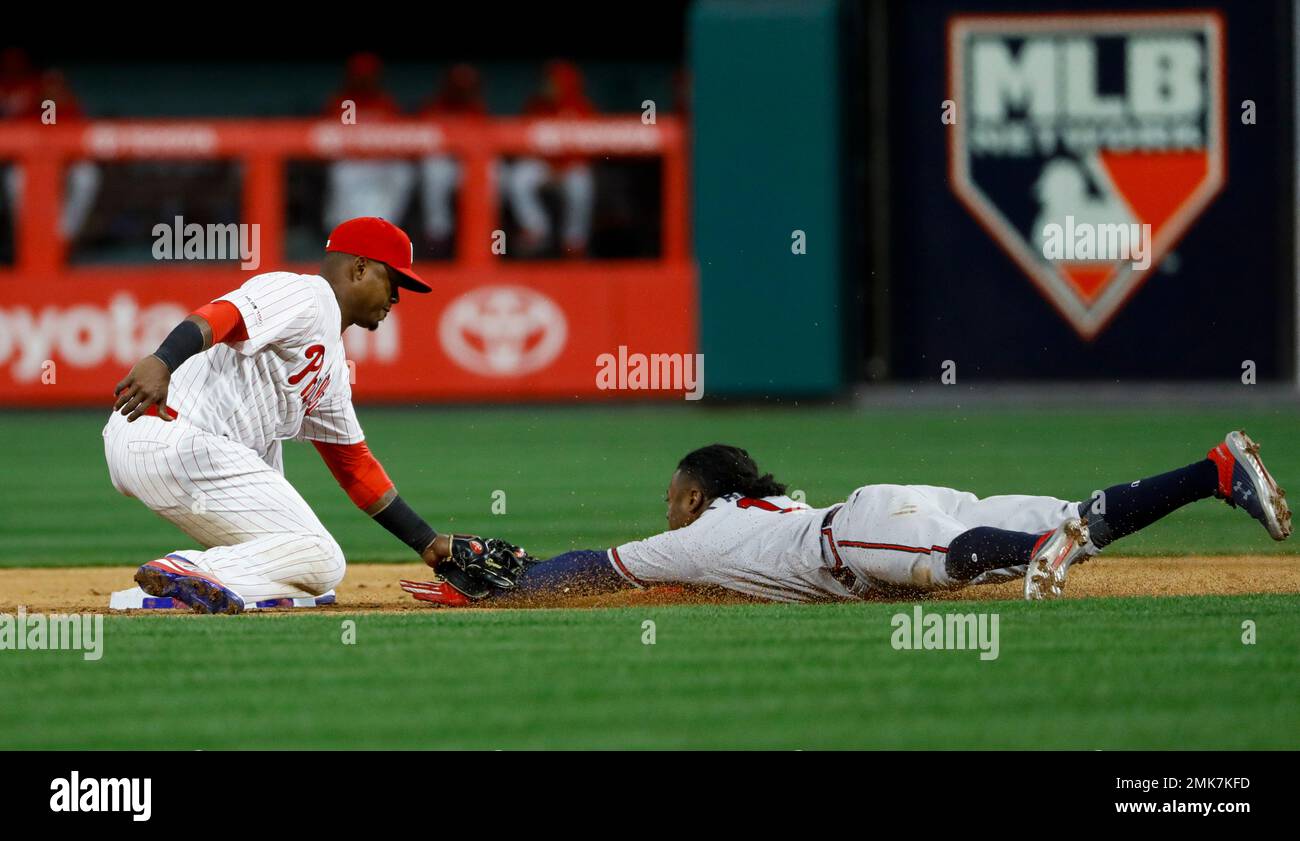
144 386
437 551
489 561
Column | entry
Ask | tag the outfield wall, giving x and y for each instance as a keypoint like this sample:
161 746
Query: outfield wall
978 125
858 192
767 196
1177 117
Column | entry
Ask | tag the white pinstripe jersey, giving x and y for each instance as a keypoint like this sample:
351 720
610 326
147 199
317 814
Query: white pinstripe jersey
768 547
289 379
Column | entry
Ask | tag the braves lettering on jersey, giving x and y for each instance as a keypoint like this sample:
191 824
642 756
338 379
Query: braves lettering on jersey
289 379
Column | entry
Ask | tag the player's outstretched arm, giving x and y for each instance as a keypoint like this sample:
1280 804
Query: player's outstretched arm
584 571
482 563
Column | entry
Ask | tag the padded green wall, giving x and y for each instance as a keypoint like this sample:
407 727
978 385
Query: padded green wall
765 163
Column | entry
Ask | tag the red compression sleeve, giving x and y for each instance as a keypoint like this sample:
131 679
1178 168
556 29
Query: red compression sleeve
224 319
357 471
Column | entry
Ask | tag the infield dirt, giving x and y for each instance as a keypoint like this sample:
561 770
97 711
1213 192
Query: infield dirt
373 587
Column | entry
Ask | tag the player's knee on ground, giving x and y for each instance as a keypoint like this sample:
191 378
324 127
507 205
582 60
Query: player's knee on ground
982 549
328 566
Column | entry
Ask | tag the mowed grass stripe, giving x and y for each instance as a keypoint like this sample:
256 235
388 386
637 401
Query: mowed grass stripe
1110 674
593 477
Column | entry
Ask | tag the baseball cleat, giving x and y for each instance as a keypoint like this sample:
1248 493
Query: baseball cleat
437 592
1056 550
176 578
1244 482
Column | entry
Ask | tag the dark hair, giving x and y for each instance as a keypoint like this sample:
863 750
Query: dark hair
723 469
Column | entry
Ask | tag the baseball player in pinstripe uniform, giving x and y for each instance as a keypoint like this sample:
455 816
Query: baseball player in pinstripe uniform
730 526
197 429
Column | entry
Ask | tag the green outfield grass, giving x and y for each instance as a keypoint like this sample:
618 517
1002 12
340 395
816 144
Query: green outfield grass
593 477
1099 674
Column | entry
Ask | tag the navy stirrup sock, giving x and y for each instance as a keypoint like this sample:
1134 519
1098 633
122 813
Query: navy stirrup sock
1121 510
1113 513
985 548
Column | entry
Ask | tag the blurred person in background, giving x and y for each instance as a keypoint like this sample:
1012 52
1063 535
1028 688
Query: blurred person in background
19 82
18 87
26 99
460 96
560 96
366 187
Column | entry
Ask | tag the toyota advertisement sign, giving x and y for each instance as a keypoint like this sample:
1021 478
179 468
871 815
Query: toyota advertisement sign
534 335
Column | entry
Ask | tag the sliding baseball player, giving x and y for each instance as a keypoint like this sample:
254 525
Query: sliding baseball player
730 526
197 428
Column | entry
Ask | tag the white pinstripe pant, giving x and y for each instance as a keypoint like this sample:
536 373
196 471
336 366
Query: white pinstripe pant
259 536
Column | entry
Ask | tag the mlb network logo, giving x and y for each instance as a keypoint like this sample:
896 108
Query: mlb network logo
1110 121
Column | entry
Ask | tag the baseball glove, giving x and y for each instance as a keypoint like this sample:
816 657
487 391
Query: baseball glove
478 565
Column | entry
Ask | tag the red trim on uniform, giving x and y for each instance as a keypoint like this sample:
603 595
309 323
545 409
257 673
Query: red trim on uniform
1224 461
762 505
830 541
356 470
1038 544
897 547
225 320
152 411
618 562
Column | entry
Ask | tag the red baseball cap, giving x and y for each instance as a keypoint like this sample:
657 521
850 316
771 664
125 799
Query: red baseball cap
379 239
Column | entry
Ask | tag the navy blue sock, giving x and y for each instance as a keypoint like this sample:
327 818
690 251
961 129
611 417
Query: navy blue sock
984 548
1121 510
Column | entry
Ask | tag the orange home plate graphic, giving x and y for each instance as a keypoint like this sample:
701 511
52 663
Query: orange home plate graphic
1087 144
